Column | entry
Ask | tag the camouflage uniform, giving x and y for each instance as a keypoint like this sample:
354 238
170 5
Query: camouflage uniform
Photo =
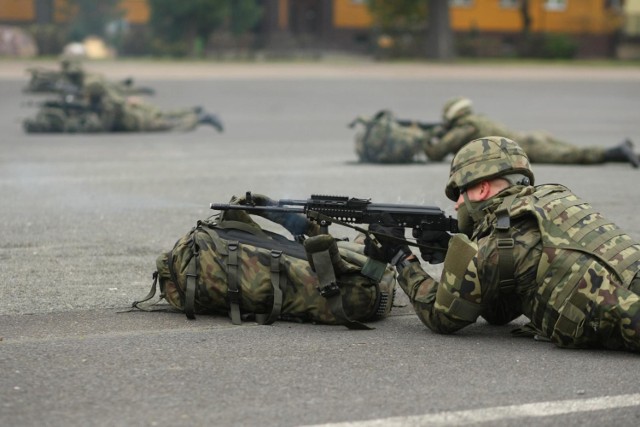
539 146
54 119
119 113
70 79
102 108
384 140
461 126
538 251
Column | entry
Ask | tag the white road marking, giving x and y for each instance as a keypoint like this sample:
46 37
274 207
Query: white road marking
527 410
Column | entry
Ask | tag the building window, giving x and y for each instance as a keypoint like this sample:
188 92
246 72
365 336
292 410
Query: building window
509 4
555 4
461 3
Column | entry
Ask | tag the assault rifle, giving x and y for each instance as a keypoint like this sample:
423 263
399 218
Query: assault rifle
346 211
422 125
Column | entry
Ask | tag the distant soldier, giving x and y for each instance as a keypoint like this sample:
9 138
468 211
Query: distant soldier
385 139
70 80
130 114
64 115
102 108
538 251
461 126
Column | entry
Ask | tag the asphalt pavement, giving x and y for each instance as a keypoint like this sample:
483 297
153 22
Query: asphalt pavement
83 218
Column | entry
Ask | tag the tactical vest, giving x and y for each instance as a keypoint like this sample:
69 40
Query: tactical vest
574 237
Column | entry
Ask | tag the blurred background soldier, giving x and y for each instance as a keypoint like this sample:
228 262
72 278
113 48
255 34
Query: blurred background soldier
130 114
384 139
539 251
70 79
101 107
461 126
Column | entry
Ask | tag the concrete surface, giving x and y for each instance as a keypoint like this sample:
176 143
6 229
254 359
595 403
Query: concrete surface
83 218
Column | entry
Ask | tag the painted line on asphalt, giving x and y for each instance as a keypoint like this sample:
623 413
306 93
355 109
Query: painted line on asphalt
527 410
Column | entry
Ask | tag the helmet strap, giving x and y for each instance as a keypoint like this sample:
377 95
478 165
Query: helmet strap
473 208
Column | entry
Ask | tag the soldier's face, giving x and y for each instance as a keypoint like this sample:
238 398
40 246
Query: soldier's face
473 193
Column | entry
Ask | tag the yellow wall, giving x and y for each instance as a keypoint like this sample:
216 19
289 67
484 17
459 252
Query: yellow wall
578 17
62 11
485 15
17 10
136 11
347 13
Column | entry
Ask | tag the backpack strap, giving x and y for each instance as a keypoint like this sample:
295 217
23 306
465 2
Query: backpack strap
329 289
506 245
233 292
192 282
279 283
151 294
277 273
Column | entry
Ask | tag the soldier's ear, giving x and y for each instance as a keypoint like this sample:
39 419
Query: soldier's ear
485 190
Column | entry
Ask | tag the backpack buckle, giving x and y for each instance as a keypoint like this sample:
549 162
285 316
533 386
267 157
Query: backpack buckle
234 295
329 290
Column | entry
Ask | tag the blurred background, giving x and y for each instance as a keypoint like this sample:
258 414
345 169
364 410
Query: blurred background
313 29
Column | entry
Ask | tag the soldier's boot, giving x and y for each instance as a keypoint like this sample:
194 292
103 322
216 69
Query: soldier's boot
623 153
210 119
326 242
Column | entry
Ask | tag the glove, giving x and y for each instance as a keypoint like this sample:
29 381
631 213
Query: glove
389 246
296 224
438 241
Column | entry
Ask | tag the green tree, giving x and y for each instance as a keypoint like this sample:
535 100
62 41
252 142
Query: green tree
397 16
90 17
190 23
245 14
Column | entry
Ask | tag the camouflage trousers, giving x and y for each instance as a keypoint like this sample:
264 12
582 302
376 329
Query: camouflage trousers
601 316
544 148
148 118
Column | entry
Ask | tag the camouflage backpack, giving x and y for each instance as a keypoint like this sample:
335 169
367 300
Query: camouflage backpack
52 119
384 140
236 268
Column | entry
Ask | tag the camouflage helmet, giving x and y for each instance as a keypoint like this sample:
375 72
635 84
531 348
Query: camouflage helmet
455 108
484 159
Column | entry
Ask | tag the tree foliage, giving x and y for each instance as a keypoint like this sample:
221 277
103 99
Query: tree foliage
173 20
399 14
90 17
244 16
187 21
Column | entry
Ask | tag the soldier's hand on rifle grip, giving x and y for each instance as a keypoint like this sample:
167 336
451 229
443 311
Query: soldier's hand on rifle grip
436 242
389 248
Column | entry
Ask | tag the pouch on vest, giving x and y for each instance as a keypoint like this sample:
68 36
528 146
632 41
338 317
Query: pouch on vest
239 269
